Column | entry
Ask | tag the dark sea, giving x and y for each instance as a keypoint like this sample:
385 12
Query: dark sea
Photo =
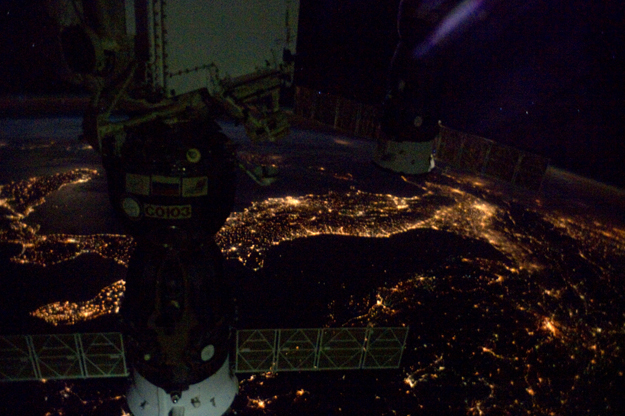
514 299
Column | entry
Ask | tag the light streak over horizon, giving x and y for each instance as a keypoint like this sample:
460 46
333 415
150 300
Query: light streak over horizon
460 17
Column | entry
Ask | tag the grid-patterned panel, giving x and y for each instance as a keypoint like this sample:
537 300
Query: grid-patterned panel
385 347
256 350
15 359
98 355
61 356
319 349
486 157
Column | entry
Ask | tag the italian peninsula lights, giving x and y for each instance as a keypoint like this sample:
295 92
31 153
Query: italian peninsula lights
514 314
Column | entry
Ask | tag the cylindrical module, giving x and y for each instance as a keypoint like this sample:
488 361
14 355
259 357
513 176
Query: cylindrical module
412 106
171 173
172 183
210 397
411 158
177 312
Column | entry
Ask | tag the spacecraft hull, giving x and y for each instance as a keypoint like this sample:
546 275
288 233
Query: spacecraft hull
210 397
411 158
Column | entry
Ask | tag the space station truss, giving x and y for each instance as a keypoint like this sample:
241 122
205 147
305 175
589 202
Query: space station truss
62 356
319 349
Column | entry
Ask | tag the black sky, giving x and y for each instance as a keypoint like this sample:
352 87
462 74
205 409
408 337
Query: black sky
542 76
546 76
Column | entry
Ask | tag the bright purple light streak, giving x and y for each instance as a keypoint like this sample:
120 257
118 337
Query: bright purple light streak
454 19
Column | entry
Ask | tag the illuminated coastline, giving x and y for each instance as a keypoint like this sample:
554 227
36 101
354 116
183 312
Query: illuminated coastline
549 305
248 235
20 198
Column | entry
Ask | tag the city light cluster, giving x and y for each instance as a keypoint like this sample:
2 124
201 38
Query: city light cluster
66 397
46 250
107 301
524 318
248 235
21 197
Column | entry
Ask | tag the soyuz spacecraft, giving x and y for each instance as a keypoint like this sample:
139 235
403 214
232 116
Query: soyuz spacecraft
159 74
412 107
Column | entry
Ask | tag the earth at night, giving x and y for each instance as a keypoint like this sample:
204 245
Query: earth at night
514 300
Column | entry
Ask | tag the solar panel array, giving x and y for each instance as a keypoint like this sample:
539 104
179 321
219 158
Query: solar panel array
62 356
486 157
454 148
319 349
99 355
